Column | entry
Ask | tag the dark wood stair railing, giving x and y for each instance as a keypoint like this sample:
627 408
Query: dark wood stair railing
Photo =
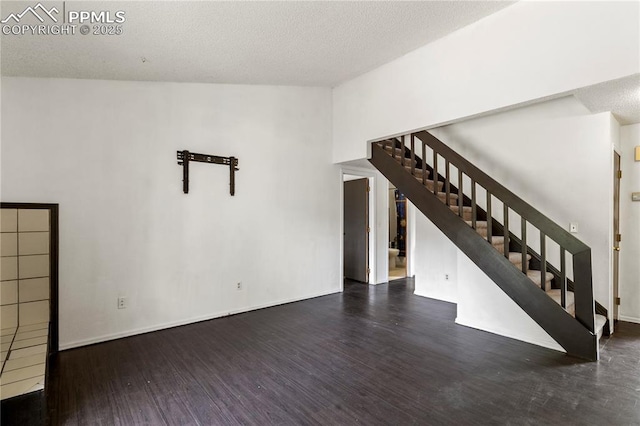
436 198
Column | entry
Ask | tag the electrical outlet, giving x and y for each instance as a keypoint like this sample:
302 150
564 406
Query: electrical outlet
573 228
239 285
122 302
446 277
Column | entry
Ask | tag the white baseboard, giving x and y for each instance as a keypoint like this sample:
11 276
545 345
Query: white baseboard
430 296
629 319
157 327
493 330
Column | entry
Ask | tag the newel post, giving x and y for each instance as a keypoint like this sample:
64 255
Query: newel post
583 289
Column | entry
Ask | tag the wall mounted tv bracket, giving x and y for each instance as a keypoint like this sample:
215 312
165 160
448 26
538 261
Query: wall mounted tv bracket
185 157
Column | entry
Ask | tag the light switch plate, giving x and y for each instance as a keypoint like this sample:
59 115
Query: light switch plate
573 228
635 196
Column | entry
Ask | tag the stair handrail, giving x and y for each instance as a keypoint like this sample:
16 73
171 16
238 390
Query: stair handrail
582 275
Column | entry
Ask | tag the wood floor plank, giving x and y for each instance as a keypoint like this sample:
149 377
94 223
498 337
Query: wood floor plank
374 355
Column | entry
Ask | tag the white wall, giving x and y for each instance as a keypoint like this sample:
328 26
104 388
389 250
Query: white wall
434 258
527 51
484 306
106 152
630 226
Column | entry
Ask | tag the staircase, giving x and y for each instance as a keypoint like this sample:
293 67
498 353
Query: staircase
539 265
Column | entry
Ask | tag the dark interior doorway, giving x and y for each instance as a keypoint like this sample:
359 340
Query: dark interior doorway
356 230
616 234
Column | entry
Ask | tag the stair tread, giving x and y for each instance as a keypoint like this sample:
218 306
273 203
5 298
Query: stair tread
416 171
534 275
444 194
397 155
480 224
498 240
389 147
456 207
430 183
554 293
428 180
601 320
453 198
516 257
407 163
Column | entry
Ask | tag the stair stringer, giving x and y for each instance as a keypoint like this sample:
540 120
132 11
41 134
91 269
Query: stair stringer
562 327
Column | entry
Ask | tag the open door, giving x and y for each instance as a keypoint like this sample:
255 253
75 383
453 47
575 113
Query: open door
356 230
617 175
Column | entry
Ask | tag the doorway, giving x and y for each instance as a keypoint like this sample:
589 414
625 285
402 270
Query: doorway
617 175
398 241
356 230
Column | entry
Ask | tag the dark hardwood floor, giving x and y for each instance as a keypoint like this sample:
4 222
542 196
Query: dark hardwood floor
371 355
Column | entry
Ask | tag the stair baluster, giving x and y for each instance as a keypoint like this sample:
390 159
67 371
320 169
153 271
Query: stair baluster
447 182
563 278
506 234
523 243
489 218
474 208
413 155
460 193
435 171
424 162
543 261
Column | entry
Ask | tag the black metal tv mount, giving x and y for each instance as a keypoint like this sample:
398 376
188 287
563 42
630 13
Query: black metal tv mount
185 157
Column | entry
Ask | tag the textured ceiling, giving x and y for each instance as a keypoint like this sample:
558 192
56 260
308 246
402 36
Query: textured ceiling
282 43
621 97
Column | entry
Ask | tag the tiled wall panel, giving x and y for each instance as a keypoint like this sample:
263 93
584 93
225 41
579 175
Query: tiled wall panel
9 316
33 312
8 268
34 289
9 220
30 220
8 244
33 243
33 266
8 292
24 299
